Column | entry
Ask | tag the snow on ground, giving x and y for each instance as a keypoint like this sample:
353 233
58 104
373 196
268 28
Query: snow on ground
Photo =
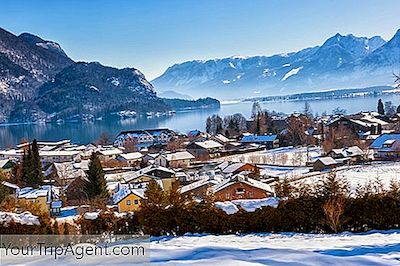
292 72
26 218
363 174
285 156
374 248
249 205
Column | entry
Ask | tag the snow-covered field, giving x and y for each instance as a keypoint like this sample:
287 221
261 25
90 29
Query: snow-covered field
374 248
361 175
285 156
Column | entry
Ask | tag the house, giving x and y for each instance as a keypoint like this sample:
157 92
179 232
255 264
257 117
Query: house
49 157
144 138
65 173
204 150
165 175
75 191
150 158
270 141
179 159
353 154
357 124
386 146
12 153
128 198
241 187
6 166
132 158
324 163
202 187
41 197
236 168
106 155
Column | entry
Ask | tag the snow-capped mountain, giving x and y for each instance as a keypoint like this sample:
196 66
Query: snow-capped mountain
39 81
340 62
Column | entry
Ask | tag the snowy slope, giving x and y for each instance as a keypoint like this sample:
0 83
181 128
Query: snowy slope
342 61
374 248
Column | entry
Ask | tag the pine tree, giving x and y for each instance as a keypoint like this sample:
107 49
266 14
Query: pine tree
333 186
36 165
381 109
27 174
154 195
96 185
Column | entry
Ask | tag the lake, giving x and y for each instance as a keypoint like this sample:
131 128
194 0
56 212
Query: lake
181 121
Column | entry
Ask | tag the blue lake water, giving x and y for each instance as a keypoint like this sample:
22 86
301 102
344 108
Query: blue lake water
181 121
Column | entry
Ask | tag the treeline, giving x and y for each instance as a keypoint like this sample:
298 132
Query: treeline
320 208
178 104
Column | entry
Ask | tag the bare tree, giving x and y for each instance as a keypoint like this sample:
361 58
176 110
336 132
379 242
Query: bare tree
334 209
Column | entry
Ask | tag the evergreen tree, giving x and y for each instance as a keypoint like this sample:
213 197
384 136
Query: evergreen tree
398 109
96 184
334 187
36 165
154 195
381 109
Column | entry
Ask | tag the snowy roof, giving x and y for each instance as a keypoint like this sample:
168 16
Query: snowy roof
205 180
131 175
249 205
327 160
208 144
242 179
378 142
125 190
255 138
180 155
223 165
131 156
4 162
222 138
31 193
70 170
22 218
10 185
389 142
58 153
349 152
12 152
108 152
232 168
53 143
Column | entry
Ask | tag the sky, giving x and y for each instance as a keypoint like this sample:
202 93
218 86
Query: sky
152 35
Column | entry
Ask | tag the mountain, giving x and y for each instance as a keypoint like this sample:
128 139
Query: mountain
24 67
341 61
94 89
39 82
174 95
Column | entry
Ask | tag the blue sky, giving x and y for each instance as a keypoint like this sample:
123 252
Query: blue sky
154 34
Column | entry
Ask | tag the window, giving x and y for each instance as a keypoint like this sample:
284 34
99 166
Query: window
227 196
136 202
239 190
128 202
251 195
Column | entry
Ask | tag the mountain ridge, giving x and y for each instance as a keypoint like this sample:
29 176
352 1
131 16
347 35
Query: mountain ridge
341 61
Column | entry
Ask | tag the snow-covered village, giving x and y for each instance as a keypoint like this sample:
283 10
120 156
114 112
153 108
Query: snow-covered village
186 132
271 173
